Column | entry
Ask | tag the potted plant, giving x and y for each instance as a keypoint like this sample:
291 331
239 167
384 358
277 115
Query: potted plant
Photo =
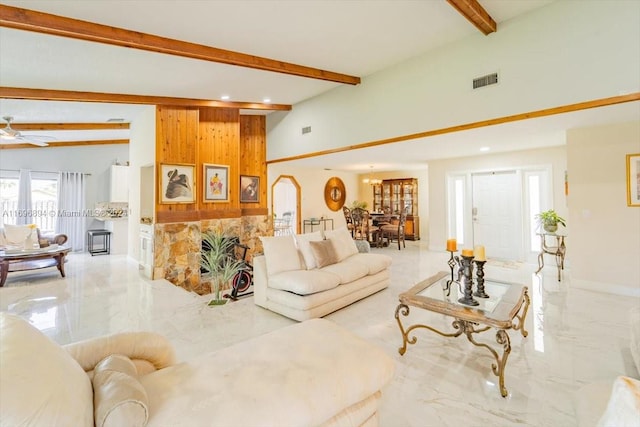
218 262
359 204
549 220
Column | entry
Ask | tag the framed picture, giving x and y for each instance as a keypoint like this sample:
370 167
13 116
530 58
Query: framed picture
633 180
249 189
216 183
177 183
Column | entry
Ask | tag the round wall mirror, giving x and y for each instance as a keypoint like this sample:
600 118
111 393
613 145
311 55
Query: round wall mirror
334 193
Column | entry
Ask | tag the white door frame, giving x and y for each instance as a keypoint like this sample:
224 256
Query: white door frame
454 181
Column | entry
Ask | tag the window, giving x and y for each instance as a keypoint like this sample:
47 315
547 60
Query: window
44 199
456 197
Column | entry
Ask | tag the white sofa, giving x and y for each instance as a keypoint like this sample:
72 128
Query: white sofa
309 374
310 275
614 403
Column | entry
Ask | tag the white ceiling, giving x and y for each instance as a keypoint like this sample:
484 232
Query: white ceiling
351 37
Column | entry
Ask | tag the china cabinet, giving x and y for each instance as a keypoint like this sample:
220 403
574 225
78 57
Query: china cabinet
397 194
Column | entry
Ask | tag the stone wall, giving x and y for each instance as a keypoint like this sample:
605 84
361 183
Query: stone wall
177 247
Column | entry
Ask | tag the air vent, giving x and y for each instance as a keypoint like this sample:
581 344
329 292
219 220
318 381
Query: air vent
306 130
489 79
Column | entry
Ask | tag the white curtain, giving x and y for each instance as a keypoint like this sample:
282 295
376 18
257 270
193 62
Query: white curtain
24 198
71 208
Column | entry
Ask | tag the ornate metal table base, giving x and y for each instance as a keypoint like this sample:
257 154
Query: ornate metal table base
469 328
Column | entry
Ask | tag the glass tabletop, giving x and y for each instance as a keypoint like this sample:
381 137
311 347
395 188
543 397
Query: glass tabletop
9 253
505 299
495 290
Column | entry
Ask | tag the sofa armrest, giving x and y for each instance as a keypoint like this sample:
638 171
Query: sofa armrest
149 351
51 238
260 280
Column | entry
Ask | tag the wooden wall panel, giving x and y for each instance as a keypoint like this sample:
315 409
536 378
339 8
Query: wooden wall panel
253 152
219 144
176 142
220 136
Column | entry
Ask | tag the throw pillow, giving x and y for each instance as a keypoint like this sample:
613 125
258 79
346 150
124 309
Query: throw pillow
21 235
118 397
280 253
324 253
343 242
40 384
304 247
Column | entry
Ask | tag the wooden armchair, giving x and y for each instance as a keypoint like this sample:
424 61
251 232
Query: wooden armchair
348 219
362 226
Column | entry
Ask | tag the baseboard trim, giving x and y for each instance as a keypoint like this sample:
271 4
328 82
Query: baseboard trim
606 288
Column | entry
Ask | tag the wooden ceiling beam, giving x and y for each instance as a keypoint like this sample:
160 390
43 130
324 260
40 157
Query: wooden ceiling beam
475 13
58 144
68 95
45 23
68 126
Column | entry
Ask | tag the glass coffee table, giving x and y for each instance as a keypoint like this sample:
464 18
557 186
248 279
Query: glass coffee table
31 259
506 303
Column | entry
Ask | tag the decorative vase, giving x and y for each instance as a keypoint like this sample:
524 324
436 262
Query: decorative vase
550 228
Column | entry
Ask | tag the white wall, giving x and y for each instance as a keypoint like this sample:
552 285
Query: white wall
567 52
95 160
605 232
142 153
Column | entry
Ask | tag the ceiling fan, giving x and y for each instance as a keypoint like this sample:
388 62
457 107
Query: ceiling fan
8 135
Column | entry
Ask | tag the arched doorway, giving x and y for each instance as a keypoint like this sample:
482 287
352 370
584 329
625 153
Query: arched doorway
285 197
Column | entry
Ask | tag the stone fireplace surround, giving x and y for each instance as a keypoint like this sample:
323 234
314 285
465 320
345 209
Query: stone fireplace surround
177 247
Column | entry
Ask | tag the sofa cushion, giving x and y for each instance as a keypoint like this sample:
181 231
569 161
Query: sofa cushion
300 375
305 249
119 399
343 242
304 282
324 253
40 384
281 254
374 262
347 271
623 408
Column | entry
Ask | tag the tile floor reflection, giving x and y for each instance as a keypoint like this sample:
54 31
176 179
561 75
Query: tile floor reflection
575 336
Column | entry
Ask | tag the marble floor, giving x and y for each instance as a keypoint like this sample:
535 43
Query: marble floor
575 336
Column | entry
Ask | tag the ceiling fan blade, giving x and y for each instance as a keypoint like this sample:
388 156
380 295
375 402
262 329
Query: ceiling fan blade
35 142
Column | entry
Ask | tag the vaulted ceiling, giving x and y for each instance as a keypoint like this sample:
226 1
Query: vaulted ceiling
313 46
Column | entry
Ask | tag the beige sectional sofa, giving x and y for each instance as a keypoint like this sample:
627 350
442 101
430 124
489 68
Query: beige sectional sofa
310 275
312 373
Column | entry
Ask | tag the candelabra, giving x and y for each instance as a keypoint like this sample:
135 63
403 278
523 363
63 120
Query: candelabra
466 268
453 261
480 293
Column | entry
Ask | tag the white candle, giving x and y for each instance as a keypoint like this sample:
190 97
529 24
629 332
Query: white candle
479 253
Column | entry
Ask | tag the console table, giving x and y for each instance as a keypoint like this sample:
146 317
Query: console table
558 250
32 259
317 221
506 303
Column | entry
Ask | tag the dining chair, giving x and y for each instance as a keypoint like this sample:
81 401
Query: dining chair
395 232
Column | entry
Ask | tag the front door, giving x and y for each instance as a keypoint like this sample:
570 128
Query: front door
496 214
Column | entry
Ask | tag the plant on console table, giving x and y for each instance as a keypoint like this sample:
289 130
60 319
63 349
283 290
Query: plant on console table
218 262
549 220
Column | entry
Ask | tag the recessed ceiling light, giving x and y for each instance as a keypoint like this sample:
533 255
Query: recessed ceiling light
225 97
266 100
485 148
